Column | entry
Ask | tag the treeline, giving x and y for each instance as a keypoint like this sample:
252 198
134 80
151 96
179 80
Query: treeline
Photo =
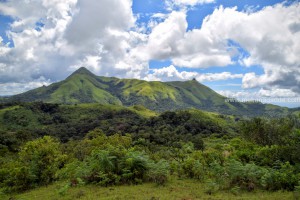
27 121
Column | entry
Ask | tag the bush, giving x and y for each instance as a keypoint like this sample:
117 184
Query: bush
38 164
102 168
43 158
193 168
19 178
246 176
134 167
284 178
211 187
159 172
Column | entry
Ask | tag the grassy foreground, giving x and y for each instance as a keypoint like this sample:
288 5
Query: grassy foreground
175 189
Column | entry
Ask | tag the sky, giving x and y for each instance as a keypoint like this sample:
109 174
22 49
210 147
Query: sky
240 48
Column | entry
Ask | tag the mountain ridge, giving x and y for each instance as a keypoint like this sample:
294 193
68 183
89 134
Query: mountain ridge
82 86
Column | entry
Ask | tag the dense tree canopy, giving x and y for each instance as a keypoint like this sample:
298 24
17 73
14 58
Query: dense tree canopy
95 144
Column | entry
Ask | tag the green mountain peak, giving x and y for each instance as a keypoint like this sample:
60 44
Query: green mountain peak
82 70
83 86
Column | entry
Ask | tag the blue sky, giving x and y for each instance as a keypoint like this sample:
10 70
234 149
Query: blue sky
5 22
240 48
195 16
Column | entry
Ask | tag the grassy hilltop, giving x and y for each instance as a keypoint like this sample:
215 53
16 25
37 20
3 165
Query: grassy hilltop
84 87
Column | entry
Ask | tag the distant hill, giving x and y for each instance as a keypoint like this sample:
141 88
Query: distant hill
84 87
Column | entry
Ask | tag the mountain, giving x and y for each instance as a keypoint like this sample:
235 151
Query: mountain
84 87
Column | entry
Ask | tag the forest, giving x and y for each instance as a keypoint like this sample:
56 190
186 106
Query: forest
78 146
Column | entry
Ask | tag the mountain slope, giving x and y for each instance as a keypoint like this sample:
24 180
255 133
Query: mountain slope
84 87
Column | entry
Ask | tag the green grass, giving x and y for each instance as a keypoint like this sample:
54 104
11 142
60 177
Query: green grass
152 90
176 189
2 111
83 85
225 121
142 111
19 118
138 109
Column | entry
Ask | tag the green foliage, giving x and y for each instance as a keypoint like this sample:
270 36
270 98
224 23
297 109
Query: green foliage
279 140
266 132
285 178
108 161
74 122
63 190
17 177
113 145
134 167
38 164
211 187
159 172
43 157
102 168
246 177
193 168
8 142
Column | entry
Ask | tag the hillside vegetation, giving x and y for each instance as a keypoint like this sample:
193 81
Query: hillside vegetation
75 149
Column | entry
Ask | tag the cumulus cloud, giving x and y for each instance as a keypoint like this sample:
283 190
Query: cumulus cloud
218 76
7 89
271 38
172 74
184 3
240 94
198 48
35 53
162 40
259 94
53 38
277 93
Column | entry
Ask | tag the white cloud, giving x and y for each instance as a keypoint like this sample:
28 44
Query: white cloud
35 53
240 94
277 93
172 74
192 2
105 38
19 87
218 76
74 34
271 38
169 39
171 4
162 43
95 20
259 94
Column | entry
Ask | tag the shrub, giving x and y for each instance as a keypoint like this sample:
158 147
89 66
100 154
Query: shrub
102 168
284 178
246 176
38 164
43 158
19 178
193 168
159 172
134 167
211 187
